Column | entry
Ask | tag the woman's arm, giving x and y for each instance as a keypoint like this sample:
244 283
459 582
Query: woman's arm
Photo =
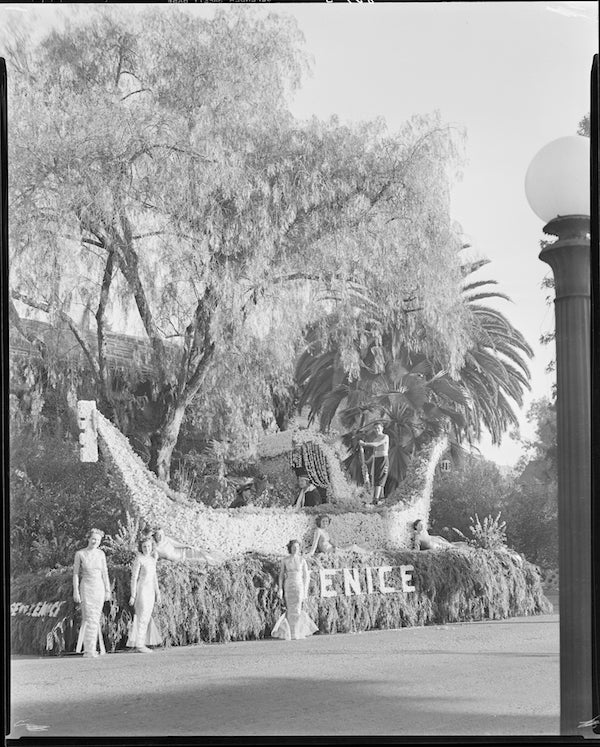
156 588
316 536
105 578
76 569
305 577
378 442
281 577
135 572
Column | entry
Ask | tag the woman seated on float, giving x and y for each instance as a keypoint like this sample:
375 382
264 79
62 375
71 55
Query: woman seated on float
170 549
422 540
309 494
322 542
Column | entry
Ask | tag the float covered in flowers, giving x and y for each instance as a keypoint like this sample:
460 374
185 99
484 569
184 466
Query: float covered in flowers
265 530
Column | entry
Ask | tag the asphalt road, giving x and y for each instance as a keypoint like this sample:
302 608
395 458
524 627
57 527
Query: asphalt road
486 678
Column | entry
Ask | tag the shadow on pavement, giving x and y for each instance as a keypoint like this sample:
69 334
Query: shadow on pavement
273 706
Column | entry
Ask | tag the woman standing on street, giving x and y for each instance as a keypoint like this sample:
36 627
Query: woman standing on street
91 588
294 578
144 592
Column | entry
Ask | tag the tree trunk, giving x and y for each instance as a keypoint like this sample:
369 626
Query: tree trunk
167 439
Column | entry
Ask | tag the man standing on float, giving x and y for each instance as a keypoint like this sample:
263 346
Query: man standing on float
381 462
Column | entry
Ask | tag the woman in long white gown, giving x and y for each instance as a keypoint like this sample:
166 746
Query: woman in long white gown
91 588
294 578
144 592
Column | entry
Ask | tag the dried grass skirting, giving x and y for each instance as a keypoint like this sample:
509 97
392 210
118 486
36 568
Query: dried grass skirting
237 601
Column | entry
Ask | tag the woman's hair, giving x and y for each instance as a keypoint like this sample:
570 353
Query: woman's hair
94 530
145 538
416 522
291 543
319 520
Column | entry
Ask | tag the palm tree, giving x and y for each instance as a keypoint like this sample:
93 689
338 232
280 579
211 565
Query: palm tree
403 392
413 396
495 369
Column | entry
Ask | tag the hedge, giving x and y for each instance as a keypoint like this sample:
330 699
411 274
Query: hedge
237 600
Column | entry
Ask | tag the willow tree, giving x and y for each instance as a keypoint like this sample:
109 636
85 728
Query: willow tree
156 155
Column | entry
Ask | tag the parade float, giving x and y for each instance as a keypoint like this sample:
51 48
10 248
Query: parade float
385 585
267 530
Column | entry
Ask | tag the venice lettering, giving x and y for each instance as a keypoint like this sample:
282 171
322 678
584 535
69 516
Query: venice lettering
40 609
374 580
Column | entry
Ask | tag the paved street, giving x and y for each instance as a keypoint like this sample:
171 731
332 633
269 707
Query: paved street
488 678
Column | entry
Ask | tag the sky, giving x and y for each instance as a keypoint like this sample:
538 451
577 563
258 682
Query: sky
514 75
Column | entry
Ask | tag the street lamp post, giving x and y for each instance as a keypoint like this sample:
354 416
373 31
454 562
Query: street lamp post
557 187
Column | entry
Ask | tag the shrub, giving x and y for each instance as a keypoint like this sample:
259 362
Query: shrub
479 488
123 546
532 523
529 509
489 535
54 500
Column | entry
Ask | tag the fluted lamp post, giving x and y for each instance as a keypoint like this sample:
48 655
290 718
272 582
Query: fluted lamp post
557 186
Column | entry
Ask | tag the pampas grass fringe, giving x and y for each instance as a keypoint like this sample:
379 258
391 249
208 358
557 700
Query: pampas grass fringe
237 600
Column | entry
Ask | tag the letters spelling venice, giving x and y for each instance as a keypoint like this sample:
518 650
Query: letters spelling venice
352 581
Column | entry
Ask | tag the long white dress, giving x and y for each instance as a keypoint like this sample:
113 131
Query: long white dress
144 586
295 623
90 566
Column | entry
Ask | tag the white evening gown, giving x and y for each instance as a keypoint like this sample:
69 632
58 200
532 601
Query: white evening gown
295 623
143 631
91 566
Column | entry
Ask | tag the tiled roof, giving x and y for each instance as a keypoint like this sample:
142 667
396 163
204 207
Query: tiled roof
121 350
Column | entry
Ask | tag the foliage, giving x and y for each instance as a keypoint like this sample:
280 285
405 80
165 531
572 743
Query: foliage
122 547
392 388
495 373
54 501
533 528
543 447
41 393
529 506
401 383
415 478
532 523
159 164
282 489
477 488
583 128
238 601
489 535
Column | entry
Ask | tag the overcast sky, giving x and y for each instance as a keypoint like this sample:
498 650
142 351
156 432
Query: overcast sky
514 75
